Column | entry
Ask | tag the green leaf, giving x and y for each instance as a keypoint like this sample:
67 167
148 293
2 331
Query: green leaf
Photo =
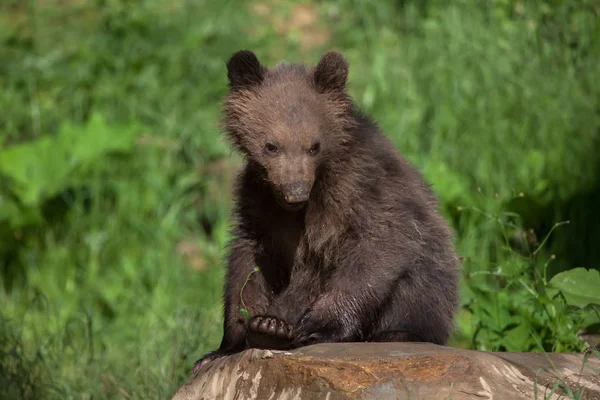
518 337
245 313
579 286
41 168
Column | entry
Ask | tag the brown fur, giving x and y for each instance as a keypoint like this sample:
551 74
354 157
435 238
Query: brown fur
346 234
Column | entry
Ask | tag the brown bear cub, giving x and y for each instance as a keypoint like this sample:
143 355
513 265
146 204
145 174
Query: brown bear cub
346 235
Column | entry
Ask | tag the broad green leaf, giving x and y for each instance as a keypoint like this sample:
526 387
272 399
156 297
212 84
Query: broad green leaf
579 286
517 337
44 167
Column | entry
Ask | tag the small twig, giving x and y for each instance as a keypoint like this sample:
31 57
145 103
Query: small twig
244 309
548 236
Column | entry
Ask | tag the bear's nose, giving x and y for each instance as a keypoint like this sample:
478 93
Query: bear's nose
296 192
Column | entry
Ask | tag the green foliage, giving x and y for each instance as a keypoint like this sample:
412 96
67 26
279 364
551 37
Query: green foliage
115 182
114 195
510 305
579 287
467 86
39 170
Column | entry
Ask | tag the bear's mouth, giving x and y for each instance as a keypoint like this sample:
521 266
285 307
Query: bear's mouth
294 206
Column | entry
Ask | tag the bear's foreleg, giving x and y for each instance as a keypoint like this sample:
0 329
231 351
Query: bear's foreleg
245 289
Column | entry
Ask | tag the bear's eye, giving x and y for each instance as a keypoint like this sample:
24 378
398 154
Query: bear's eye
314 149
271 148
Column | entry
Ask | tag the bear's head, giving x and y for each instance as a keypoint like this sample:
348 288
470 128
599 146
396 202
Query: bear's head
290 120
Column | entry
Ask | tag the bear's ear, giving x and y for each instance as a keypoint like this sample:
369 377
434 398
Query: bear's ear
331 72
244 69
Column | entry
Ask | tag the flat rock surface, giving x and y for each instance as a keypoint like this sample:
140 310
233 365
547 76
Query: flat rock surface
335 371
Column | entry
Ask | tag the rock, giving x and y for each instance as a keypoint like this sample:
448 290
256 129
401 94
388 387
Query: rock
335 371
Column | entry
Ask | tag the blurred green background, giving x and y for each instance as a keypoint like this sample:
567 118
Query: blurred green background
115 180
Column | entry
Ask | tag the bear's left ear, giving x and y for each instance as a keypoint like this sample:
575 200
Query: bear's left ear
244 69
331 72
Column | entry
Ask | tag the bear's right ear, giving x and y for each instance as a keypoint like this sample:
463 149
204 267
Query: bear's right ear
244 69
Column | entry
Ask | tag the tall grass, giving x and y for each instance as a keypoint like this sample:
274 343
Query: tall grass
115 183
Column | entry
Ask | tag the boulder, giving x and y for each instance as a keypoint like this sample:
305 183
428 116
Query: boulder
333 371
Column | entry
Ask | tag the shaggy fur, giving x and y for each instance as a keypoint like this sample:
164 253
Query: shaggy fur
347 236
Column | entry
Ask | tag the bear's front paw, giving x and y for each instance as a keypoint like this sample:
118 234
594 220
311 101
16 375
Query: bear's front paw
317 328
308 338
311 330
266 332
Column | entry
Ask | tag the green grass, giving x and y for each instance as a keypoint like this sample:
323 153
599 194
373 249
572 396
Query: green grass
115 181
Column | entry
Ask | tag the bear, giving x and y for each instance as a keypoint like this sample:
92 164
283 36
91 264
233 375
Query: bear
335 237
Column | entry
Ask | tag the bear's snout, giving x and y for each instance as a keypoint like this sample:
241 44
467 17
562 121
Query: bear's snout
297 192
